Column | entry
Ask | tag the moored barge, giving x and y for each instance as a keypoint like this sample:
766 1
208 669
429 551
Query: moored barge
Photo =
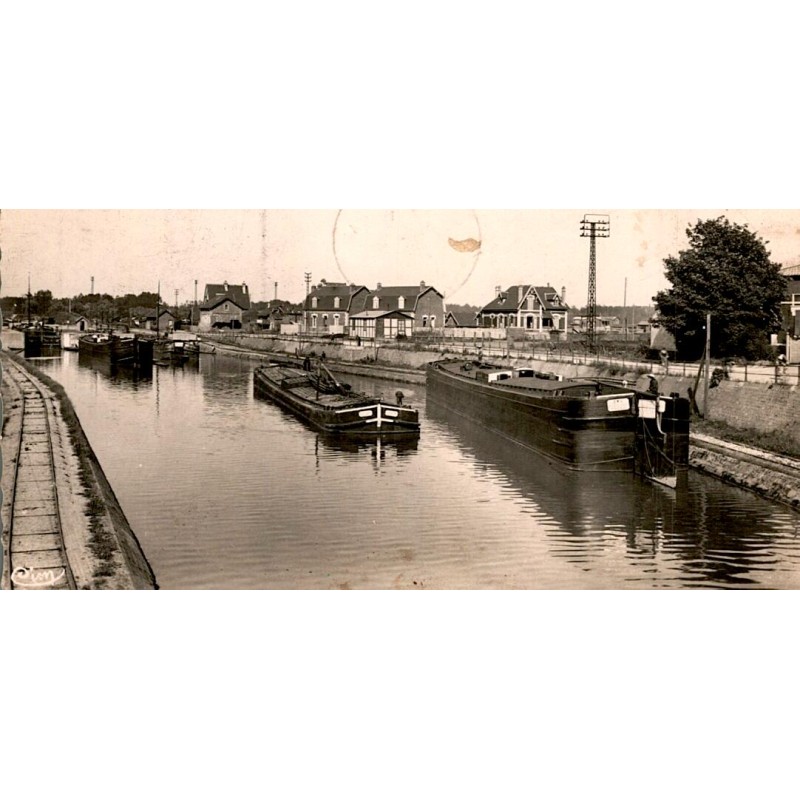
107 345
131 350
586 424
316 396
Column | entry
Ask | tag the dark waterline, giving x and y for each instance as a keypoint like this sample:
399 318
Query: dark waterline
225 490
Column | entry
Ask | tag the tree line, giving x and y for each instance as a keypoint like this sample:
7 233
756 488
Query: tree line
104 307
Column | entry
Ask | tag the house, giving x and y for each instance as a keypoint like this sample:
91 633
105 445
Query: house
532 308
601 324
789 335
146 318
270 316
67 321
328 307
223 306
460 320
390 312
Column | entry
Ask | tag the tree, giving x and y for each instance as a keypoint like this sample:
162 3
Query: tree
726 272
41 303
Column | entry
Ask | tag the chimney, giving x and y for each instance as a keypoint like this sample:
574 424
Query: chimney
225 286
421 285
519 294
244 288
377 287
497 290
563 295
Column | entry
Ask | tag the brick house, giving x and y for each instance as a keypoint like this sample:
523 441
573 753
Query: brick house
223 306
789 335
389 312
328 307
532 308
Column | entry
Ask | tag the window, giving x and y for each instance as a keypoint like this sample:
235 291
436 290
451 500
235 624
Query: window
425 321
376 302
313 320
324 320
336 302
313 302
433 320
336 318
401 302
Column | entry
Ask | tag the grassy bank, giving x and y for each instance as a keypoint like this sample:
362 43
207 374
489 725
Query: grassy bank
773 442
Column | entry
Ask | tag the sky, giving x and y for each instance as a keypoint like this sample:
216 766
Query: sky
135 250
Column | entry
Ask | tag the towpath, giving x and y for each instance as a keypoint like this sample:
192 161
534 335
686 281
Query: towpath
62 528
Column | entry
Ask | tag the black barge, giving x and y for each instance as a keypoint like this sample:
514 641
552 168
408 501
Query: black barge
316 396
585 424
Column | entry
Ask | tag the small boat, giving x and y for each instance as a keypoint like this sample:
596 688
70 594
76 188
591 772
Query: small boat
584 424
316 396
165 353
177 352
69 340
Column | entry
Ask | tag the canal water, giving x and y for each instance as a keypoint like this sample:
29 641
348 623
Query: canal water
225 490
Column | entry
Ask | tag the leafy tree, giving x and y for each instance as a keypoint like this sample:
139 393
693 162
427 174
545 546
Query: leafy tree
41 302
726 272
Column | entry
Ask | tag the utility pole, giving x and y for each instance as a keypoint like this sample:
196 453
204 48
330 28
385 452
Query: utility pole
594 226
308 290
625 308
92 284
276 290
708 364
176 306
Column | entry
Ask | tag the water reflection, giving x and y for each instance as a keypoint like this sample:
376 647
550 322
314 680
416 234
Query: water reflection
225 489
704 533
120 372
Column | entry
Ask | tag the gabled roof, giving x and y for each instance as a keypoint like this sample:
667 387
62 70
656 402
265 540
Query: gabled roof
149 313
68 318
236 293
389 296
509 300
325 293
210 305
462 319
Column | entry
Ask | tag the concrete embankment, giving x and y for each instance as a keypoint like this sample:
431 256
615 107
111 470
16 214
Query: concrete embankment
101 548
774 477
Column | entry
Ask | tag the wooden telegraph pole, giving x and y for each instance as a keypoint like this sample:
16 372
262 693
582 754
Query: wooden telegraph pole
708 364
